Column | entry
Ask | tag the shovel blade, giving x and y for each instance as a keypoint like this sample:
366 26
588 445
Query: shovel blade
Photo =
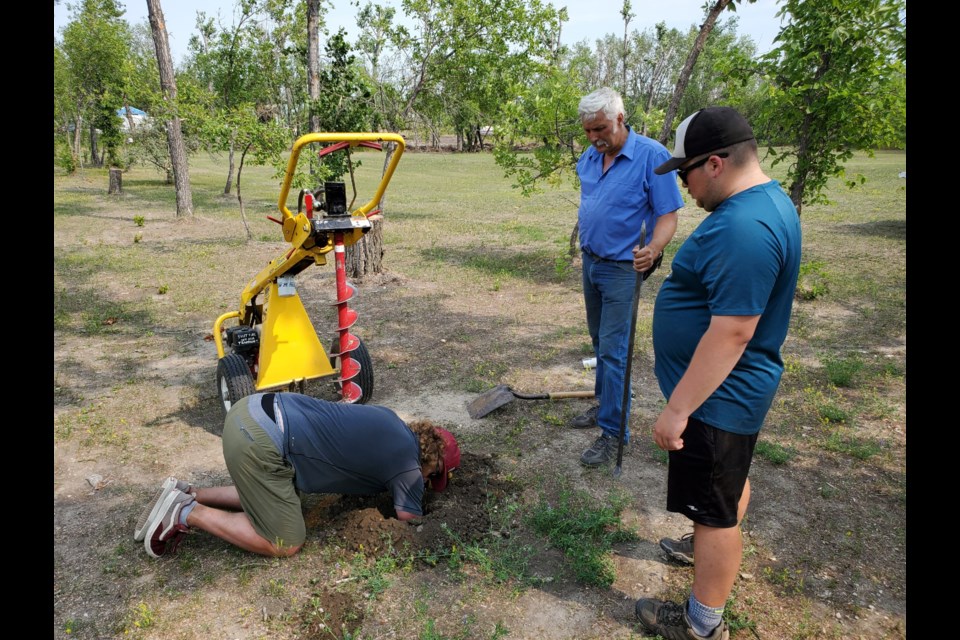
489 401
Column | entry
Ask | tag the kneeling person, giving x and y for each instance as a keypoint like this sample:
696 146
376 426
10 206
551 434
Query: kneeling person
278 445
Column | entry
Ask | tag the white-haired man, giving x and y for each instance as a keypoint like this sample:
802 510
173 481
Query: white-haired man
619 192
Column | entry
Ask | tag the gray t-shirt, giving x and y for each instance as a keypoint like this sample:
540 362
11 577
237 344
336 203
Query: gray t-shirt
347 448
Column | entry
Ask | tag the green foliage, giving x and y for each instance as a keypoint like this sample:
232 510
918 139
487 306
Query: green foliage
830 412
813 281
737 619
789 582
584 531
837 80
140 618
842 441
774 453
139 220
539 134
375 575
63 155
841 371
90 69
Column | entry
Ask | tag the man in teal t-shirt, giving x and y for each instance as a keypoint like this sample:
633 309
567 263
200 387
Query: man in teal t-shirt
719 321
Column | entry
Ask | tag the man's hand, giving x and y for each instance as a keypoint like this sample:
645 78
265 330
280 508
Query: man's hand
405 516
668 429
645 258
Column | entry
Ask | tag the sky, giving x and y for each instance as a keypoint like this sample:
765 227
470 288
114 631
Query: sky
589 19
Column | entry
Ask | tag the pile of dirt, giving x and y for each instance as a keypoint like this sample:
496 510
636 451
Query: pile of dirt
458 515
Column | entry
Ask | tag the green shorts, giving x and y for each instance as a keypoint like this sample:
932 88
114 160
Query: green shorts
264 480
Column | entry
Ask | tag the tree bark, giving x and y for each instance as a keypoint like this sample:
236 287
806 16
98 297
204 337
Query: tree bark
116 181
168 87
243 215
313 61
77 151
94 155
129 114
230 163
687 70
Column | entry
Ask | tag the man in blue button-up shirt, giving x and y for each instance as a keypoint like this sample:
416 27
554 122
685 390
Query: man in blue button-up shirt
618 192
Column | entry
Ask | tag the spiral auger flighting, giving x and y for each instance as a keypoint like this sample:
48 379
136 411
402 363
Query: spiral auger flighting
350 391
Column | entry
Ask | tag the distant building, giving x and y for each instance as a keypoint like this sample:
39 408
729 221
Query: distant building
138 116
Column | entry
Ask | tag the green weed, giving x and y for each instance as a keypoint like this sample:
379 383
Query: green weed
842 371
828 490
736 619
789 582
774 453
140 618
584 532
812 282
139 220
832 413
859 448
562 266
374 576
275 588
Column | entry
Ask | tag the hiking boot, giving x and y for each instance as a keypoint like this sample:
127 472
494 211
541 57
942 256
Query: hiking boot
669 620
153 507
586 419
165 531
603 450
680 550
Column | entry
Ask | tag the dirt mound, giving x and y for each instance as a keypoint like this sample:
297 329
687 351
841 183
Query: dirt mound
461 514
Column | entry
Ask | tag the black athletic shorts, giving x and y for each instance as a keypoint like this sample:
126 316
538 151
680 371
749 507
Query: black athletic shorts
705 479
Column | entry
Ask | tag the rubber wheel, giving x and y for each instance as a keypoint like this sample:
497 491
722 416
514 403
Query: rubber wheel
365 378
234 380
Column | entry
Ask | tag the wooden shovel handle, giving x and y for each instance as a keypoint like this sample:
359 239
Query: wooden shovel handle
571 394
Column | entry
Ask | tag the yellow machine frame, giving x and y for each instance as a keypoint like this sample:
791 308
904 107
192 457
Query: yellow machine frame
290 351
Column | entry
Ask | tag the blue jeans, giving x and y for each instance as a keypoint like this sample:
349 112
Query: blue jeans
608 288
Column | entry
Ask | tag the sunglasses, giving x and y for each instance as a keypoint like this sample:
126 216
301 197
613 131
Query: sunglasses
682 173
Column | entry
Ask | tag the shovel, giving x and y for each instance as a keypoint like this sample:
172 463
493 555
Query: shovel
502 394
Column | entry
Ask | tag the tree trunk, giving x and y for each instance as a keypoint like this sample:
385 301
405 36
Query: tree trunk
168 87
313 61
129 114
94 155
243 215
116 181
230 163
365 257
687 70
77 151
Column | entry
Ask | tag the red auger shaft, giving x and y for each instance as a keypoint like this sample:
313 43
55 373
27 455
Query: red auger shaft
349 368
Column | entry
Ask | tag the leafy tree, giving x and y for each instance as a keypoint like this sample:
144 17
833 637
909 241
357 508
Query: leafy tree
543 116
456 60
65 111
94 49
261 138
229 61
837 84
345 102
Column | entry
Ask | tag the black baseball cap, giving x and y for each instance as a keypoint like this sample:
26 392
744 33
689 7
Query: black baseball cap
706 130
